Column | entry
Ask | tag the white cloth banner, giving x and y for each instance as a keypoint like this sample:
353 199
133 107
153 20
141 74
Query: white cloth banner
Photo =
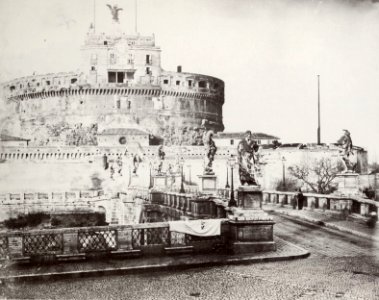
197 227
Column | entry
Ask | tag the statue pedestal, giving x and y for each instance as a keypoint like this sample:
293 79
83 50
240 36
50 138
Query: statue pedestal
159 181
208 184
250 197
174 180
348 184
251 229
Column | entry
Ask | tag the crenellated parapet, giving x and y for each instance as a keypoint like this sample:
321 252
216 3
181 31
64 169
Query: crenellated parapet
185 85
193 84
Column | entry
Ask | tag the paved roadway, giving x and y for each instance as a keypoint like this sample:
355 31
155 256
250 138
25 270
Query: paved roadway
340 267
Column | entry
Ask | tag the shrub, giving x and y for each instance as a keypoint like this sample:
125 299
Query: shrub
34 219
31 219
369 192
16 223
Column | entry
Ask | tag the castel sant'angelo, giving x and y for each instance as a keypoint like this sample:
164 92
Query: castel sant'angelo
121 88
121 104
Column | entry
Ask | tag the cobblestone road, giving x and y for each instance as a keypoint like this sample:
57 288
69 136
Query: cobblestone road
340 266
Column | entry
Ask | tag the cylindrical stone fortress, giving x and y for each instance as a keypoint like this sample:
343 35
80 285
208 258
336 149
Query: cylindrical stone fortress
121 85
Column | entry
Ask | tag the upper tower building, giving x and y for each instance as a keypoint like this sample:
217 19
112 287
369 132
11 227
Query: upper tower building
120 85
121 59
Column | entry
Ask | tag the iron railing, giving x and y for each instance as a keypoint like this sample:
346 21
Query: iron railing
93 240
3 247
43 243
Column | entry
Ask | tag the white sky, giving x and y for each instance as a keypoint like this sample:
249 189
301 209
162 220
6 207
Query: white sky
268 52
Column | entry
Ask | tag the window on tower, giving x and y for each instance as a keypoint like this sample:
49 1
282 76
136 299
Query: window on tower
111 77
130 58
148 59
120 77
202 84
93 59
112 58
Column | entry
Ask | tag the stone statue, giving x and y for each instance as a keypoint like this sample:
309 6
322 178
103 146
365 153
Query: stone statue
347 154
246 160
136 161
161 157
114 11
210 151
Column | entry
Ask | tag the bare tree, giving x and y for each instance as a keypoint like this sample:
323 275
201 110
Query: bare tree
318 176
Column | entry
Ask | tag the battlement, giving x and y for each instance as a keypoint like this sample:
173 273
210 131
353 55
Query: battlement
192 83
41 83
108 41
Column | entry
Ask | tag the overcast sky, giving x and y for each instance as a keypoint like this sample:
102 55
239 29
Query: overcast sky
268 53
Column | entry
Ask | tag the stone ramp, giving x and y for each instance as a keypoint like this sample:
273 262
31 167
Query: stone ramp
328 221
100 267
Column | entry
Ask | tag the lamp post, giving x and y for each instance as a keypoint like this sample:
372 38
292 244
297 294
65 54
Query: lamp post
227 186
151 181
182 191
232 201
284 172
189 174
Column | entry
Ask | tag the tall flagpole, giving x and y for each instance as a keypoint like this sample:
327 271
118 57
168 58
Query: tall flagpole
135 16
94 15
319 122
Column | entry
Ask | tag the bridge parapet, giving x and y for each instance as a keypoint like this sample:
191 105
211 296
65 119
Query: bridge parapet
327 203
127 240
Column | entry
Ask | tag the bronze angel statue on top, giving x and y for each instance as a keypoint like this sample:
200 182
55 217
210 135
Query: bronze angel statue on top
114 11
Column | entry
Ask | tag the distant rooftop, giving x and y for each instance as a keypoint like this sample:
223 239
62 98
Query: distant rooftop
8 138
241 135
123 131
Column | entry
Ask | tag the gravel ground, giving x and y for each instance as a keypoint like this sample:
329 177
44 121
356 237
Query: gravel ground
341 267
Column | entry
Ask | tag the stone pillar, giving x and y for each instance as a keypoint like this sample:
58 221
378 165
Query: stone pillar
323 203
200 207
364 209
266 197
70 242
208 184
159 181
348 184
124 238
311 202
251 229
250 197
156 197
282 199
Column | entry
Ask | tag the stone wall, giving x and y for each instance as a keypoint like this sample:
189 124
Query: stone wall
66 168
158 110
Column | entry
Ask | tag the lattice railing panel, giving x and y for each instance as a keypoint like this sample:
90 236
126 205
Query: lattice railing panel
150 236
3 247
178 238
97 240
43 243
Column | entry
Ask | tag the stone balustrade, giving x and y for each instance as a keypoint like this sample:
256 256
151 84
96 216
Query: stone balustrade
190 206
14 204
332 203
86 152
126 240
30 197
